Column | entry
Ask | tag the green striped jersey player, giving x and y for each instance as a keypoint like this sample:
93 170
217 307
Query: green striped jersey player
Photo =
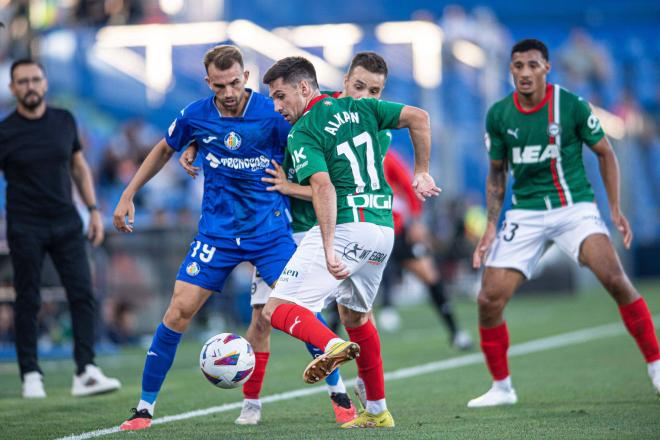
543 146
538 132
334 147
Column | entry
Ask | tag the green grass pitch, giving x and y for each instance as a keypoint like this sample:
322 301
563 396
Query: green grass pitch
597 389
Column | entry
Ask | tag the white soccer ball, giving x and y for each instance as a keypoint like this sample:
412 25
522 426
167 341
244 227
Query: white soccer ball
227 360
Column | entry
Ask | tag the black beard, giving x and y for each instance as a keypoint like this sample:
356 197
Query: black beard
31 105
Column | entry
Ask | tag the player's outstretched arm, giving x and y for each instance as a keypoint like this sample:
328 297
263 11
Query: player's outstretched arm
154 162
609 171
418 124
495 189
324 199
282 185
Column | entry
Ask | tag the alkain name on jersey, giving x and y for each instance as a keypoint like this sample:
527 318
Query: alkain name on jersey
341 119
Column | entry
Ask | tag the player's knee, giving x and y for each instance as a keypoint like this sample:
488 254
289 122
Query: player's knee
177 318
489 300
262 322
353 319
266 314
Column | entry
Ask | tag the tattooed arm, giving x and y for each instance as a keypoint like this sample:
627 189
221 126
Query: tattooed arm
495 189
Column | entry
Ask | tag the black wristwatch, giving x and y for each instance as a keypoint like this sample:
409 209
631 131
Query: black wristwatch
91 208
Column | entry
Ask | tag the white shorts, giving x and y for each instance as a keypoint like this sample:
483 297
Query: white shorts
526 235
365 249
260 290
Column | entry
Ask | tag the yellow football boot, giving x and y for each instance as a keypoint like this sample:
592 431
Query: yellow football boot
368 420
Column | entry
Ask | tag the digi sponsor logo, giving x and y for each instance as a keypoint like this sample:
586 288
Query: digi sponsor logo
233 140
375 201
377 258
193 269
354 252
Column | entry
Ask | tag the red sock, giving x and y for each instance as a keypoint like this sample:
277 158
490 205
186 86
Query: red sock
370 363
252 387
494 344
301 323
638 321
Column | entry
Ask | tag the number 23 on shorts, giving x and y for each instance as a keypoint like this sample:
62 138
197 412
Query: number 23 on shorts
508 235
205 253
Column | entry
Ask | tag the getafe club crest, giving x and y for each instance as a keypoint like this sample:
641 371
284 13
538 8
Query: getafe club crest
233 141
193 269
554 129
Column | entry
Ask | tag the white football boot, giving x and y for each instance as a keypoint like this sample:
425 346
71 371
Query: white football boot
250 414
501 393
33 385
93 381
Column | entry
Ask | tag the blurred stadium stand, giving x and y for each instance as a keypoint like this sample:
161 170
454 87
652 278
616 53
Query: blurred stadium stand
125 68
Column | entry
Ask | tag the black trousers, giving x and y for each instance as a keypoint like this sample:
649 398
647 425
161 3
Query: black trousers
62 238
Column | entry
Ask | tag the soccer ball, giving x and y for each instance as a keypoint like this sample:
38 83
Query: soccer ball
227 360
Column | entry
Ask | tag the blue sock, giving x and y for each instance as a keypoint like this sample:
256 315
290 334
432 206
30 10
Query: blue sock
159 360
333 378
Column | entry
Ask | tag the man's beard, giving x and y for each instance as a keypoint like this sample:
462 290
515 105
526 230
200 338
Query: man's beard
32 104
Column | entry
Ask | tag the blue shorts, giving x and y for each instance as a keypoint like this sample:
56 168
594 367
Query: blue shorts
211 259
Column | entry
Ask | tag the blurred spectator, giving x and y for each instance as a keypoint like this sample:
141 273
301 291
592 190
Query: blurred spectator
587 65
121 322
628 108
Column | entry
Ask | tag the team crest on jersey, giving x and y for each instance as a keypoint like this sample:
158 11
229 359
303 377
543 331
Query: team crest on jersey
554 129
233 140
193 269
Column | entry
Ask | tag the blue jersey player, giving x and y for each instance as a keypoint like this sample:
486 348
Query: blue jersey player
238 134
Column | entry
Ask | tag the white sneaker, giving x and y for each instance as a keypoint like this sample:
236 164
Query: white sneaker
33 386
389 319
654 373
93 381
250 414
495 396
462 341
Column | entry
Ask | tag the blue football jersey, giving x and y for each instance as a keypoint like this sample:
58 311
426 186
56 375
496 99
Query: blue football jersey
236 152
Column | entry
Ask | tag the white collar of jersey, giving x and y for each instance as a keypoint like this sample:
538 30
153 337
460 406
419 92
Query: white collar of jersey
247 104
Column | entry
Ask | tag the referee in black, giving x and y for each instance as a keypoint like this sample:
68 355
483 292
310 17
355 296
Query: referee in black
40 154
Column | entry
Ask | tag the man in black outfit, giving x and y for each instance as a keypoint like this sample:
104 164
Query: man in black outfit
40 153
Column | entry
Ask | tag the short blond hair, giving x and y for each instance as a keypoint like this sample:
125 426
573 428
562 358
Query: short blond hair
223 57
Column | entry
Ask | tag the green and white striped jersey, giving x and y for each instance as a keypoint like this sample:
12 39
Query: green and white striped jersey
544 147
341 137
302 211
